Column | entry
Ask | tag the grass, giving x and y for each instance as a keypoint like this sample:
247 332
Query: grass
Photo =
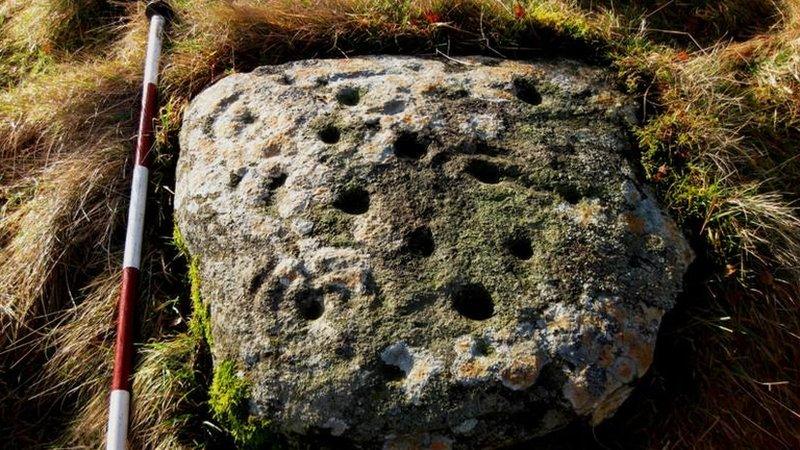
720 149
718 82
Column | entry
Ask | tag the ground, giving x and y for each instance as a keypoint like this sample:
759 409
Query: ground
717 82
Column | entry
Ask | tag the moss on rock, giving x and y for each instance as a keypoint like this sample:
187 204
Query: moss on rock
228 398
458 244
200 320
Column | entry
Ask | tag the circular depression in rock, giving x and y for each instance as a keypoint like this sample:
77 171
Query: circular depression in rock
520 247
483 171
354 200
525 90
410 146
329 134
472 301
420 242
348 96
309 306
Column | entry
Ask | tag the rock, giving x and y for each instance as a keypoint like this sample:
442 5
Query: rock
417 253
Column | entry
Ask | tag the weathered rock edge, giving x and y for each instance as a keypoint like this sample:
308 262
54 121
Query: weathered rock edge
412 251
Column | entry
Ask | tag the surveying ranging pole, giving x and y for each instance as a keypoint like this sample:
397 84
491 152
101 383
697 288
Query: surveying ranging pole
119 402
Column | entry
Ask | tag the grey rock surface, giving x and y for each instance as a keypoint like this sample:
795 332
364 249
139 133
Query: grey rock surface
411 252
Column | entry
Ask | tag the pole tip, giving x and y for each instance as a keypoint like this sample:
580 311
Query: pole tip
160 8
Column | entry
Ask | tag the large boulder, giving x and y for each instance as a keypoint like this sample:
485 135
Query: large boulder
407 252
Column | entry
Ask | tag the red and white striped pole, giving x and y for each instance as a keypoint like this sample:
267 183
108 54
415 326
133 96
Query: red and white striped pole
119 403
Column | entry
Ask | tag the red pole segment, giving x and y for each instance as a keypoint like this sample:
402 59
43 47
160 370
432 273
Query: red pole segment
119 401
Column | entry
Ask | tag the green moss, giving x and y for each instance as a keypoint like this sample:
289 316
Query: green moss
695 194
552 15
168 386
175 359
228 400
228 393
399 12
200 321
657 140
179 242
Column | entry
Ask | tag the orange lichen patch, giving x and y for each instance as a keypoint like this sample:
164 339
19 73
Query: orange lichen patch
623 369
587 213
463 344
472 369
419 373
609 404
562 321
521 373
588 324
273 147
606 357
429 89
351 279
604 99
634 223
418 442
576 391
640 352
441 444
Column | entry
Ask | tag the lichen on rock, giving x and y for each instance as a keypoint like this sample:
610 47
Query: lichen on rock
406 251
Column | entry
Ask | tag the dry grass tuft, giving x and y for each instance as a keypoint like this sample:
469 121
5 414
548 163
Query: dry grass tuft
86 329
47 24
164 397
63 146
721 147
718 82
164 384
75 202
36 33
743 389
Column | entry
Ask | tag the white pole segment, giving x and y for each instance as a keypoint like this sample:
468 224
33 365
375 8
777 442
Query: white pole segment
119 406
133 236
153 52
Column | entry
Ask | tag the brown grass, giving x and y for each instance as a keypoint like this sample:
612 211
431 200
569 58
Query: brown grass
718 82
721 144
